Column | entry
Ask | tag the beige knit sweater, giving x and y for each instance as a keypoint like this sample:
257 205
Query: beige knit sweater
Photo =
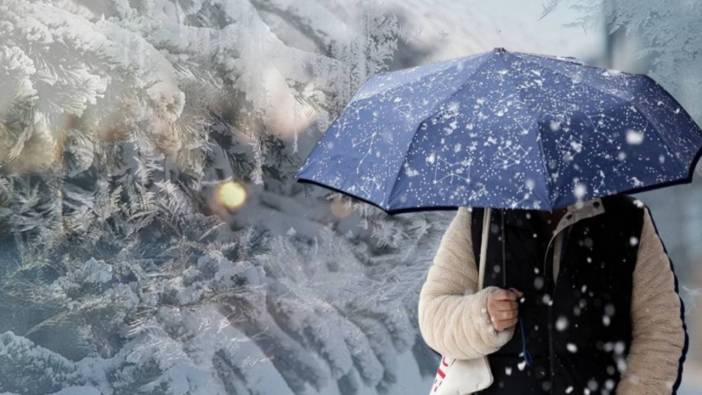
453 317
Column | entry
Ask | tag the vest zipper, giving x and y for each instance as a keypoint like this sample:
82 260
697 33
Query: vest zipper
548 279
552 291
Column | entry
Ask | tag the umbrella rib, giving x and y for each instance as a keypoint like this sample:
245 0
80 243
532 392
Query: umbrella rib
694 126
547 183
619 100
665 138
631 103
537 120
680 106
432 113
441 66
545 65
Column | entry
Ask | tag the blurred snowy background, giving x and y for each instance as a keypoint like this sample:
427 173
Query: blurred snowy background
153 238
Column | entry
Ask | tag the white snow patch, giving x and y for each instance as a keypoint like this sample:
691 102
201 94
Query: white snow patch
530 184
634 137
431 158
78 390
580 190
576 146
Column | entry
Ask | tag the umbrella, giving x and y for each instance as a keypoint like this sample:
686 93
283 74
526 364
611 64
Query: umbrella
504 129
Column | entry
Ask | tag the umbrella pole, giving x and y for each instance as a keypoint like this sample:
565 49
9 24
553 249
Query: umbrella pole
483 247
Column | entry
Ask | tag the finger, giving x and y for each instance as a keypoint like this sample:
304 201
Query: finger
498 312
502 305
505 324
504 294
503 315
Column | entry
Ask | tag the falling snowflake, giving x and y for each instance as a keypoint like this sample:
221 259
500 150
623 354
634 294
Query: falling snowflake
634 137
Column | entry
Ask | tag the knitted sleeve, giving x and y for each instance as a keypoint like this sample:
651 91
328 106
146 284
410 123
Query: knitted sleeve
658 342
453 318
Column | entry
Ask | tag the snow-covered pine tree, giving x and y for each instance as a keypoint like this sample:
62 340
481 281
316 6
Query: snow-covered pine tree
121 274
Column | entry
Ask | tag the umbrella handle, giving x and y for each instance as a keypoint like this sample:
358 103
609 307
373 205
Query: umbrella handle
483 247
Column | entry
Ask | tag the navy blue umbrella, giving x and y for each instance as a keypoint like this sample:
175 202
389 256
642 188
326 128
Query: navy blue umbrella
504 129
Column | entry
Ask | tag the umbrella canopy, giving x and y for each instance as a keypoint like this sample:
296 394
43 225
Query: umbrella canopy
504 129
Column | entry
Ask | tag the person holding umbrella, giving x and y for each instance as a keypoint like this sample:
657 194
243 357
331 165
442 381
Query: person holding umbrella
601 312
571 290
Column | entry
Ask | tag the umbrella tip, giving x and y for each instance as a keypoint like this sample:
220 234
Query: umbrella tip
500 49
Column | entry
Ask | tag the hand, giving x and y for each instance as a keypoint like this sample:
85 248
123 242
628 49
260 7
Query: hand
502 307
